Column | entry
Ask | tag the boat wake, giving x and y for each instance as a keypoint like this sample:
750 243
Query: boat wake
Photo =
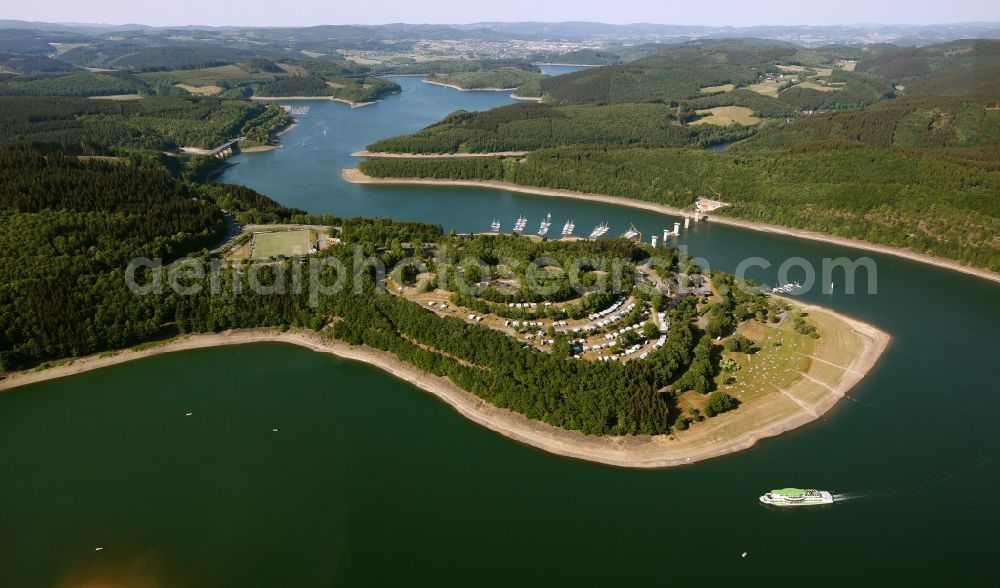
845 496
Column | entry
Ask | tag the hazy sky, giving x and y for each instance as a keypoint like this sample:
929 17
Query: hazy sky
314 12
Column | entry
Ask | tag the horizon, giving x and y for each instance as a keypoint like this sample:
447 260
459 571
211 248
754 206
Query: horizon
730 13
486 23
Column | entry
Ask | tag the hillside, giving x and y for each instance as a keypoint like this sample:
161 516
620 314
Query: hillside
636 83
718 52
917 123
902 64
525 127
69 228
80 83
91 127
508 79
258 76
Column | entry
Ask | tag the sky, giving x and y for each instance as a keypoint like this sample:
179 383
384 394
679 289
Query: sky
315 12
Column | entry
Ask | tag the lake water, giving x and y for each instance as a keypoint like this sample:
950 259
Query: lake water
719 147
370 481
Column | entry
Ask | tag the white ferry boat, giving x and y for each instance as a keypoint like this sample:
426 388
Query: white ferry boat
796 497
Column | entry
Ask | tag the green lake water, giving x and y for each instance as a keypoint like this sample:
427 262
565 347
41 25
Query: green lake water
370 481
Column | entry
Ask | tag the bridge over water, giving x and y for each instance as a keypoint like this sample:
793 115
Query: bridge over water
227 149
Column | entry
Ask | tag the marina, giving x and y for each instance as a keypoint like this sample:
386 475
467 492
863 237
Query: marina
786 288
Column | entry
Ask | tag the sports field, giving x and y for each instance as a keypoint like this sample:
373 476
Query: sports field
279 243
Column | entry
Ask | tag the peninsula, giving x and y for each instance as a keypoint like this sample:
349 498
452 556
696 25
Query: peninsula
797 405
667 368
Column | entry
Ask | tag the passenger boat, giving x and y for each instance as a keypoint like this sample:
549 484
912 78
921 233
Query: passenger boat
796 497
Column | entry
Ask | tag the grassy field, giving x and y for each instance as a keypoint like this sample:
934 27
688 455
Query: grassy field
820 71
285 243
820 87
201 90
727 115
714 89
782 352
770 383
117 97
767 88
209 76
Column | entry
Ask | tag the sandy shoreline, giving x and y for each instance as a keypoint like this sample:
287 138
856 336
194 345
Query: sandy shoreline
280 98
388 155
573 64
288 129
461 89
633 452
355 175
356 104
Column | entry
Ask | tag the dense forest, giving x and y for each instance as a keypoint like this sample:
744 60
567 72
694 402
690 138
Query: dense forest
94 127
258 76
68 228
902 64
32 64
130 55
491 79
529 126
912 123
74 84
637 83
350 89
